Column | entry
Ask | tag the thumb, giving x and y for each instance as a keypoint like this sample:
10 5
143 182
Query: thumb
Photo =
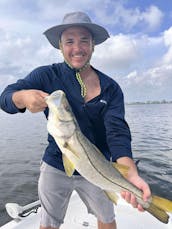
43 94
146 192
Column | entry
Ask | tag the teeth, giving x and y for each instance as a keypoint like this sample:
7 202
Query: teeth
78 55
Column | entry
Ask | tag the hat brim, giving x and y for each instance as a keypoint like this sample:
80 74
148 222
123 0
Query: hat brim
99 33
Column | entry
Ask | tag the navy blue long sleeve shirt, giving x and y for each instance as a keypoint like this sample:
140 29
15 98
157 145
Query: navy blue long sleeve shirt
101 119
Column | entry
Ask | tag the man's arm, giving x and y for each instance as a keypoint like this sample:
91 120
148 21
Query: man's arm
33 100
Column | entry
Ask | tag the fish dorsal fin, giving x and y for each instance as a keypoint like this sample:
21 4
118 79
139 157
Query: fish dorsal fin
112 196
123 169
68 166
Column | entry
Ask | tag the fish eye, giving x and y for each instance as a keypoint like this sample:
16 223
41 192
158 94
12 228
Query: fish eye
67 107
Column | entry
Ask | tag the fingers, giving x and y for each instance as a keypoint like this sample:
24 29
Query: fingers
146 192
43 94
143 186
38 104
131 199
35 100
140 208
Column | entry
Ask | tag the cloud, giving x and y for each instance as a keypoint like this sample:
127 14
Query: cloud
21 54
122 53
152 84
129 59
152 17
117 53
140 63
126 19
43 13
167 58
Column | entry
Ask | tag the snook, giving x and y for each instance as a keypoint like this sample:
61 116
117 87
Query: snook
80 154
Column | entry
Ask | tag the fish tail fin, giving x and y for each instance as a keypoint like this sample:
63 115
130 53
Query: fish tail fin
159 208
157 212
162 203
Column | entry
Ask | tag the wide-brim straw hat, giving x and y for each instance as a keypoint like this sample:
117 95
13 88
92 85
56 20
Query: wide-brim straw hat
99 33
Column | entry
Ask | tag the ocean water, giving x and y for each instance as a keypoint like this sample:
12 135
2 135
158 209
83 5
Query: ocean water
23 138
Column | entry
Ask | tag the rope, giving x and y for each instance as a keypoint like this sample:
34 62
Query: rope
83 87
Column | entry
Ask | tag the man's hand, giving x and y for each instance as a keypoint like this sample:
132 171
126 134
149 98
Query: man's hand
33 100
135 179
143 186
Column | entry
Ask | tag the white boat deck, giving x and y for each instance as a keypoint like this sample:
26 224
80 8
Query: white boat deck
77 218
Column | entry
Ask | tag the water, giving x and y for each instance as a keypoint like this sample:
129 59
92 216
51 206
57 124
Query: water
151 127
23 140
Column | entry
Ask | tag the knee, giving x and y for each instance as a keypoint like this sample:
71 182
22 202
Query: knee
111 225
41 227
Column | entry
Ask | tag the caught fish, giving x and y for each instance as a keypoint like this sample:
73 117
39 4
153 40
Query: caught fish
80 154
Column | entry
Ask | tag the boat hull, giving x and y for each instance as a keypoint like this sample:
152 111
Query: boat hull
80 219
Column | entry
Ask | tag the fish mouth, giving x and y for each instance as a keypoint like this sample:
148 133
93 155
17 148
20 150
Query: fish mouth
58 104
56 97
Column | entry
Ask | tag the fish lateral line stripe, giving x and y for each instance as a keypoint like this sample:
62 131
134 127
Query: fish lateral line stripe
104 175
61 120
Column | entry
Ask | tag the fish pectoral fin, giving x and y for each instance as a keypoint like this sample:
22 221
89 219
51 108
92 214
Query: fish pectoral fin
162 203
68 166
112 196
68 147
123 169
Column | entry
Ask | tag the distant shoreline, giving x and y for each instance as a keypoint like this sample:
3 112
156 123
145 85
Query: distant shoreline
149 102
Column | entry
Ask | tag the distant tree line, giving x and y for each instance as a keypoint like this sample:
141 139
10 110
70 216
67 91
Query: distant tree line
151 102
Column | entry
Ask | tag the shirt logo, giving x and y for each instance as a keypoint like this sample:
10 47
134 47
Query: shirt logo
103 101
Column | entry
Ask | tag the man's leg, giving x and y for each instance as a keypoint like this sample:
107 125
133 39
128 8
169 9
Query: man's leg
48 227
106 225
97 203
55 189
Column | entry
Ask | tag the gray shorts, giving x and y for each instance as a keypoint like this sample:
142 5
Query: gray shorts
55 189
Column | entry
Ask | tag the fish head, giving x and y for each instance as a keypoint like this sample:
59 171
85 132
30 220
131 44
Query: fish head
59 106
61 122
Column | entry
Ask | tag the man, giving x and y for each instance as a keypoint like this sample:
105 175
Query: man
97 102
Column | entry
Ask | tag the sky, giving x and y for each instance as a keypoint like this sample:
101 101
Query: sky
138 54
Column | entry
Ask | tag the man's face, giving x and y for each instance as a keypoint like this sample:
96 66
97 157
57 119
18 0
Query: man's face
77 46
